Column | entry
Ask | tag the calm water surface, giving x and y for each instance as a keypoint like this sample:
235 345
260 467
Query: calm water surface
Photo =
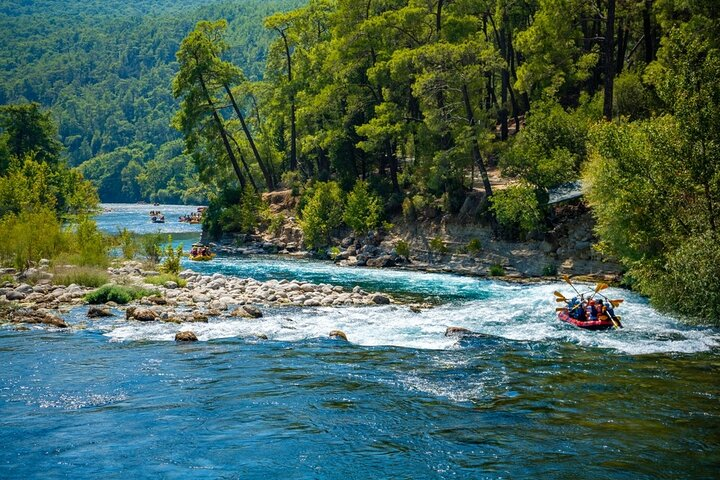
529 397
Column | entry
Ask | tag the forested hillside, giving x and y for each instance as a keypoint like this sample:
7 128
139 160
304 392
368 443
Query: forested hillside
370 109
104 67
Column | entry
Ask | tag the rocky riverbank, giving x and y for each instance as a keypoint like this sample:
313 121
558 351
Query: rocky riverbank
201 298
448 244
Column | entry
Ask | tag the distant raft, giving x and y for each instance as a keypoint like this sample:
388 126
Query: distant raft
200 253
201 258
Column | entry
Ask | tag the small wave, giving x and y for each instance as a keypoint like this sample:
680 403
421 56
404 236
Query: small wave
68 401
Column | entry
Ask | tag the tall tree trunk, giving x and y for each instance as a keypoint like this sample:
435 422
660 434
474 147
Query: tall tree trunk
438 17
609 63
622 42
393 163
223 135
248 135
477 156
513 100
293 128
504 84
245 164
648 32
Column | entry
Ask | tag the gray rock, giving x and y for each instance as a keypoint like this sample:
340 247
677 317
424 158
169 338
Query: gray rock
170 285
457 332
24 288
15 295
381 261
380 299
200 298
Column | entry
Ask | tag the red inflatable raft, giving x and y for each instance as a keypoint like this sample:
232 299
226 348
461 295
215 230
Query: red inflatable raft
588 325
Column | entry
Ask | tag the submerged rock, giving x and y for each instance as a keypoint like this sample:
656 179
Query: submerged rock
187 336
338 334
457 332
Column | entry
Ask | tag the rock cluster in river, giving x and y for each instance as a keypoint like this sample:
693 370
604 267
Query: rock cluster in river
204 296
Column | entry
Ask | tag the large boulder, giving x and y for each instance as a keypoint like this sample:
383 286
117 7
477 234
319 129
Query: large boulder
381 261
144 315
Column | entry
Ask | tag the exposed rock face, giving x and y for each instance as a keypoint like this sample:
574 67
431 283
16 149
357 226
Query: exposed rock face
187 336
339 334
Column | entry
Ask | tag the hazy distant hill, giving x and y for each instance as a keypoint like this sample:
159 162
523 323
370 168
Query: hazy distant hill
105 66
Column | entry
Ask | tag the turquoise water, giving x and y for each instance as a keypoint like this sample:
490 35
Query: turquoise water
528 397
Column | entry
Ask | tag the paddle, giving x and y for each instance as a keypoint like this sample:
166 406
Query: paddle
567 279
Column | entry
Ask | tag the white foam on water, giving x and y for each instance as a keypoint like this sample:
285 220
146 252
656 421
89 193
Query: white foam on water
513 312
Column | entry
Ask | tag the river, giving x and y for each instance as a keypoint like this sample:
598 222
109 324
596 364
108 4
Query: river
528 397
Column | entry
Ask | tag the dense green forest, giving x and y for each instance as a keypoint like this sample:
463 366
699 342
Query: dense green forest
104 68
408 103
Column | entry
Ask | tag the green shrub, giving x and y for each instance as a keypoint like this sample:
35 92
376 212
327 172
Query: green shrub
549 150
474 246
408 209
85 276
151 246
517 208
118 293
438 245
90 244
164 278
322 213
30 236
362 210
402 248
128 244
243 217
291 180
550 270
496 270
277 222
173 256
333 252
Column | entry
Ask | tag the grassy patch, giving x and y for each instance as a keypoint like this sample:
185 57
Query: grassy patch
84 276
166 277
118 293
